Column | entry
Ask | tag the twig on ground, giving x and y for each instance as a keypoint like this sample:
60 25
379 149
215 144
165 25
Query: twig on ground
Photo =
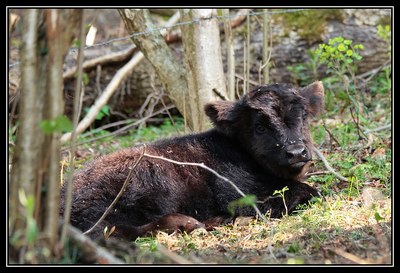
327 166
373 72
174 257
330 133
90 251
127 180
387 126
349 256
316 173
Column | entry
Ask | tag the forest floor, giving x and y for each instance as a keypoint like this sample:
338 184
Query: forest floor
351 224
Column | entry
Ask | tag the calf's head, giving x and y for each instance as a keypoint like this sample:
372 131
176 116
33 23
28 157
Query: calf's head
271 123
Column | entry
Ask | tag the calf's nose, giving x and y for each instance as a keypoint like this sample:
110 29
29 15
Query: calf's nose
296 153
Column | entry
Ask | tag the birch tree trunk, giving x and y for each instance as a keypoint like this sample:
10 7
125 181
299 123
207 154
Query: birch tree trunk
157 52
230 56
266 53
36 163
203 62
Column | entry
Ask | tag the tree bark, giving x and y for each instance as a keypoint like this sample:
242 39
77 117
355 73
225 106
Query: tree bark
266 52
203 62
157 52
230 57
25 164
36 171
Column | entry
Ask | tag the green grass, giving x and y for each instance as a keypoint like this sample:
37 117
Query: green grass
342 221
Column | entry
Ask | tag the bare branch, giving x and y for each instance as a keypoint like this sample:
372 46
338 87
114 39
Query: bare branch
174 257
110 89
327 166
202 165
127 127
384 127
316 173
351 257
127 180
254 83
105 96
76 114
101 60
374 71
91 252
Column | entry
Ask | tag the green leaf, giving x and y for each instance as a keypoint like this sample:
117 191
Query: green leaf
378 217
282 191
58 124
63 124
247 200
357 57
104 111
85 78
339 39
47 126
31 230
30 205
76 43
342 47
347 42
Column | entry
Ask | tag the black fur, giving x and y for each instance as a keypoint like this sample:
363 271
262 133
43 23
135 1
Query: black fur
261 143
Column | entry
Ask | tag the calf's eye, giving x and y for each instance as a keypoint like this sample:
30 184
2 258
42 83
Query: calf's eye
260 129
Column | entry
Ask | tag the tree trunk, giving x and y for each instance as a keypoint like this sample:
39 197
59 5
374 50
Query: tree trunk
266 53
36 171
230 57
157 52
203 62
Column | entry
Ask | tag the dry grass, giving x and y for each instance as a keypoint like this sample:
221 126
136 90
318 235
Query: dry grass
334 231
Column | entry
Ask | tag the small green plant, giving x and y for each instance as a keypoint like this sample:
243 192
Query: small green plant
107 233
188 243
294 247
149 243
59 124
305 73
378 217
385 33
282 194
247 200
104 111
27 235
339 54
70 253
28 202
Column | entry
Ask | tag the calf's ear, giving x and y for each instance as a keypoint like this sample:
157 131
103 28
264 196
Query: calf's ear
221 114
314 94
